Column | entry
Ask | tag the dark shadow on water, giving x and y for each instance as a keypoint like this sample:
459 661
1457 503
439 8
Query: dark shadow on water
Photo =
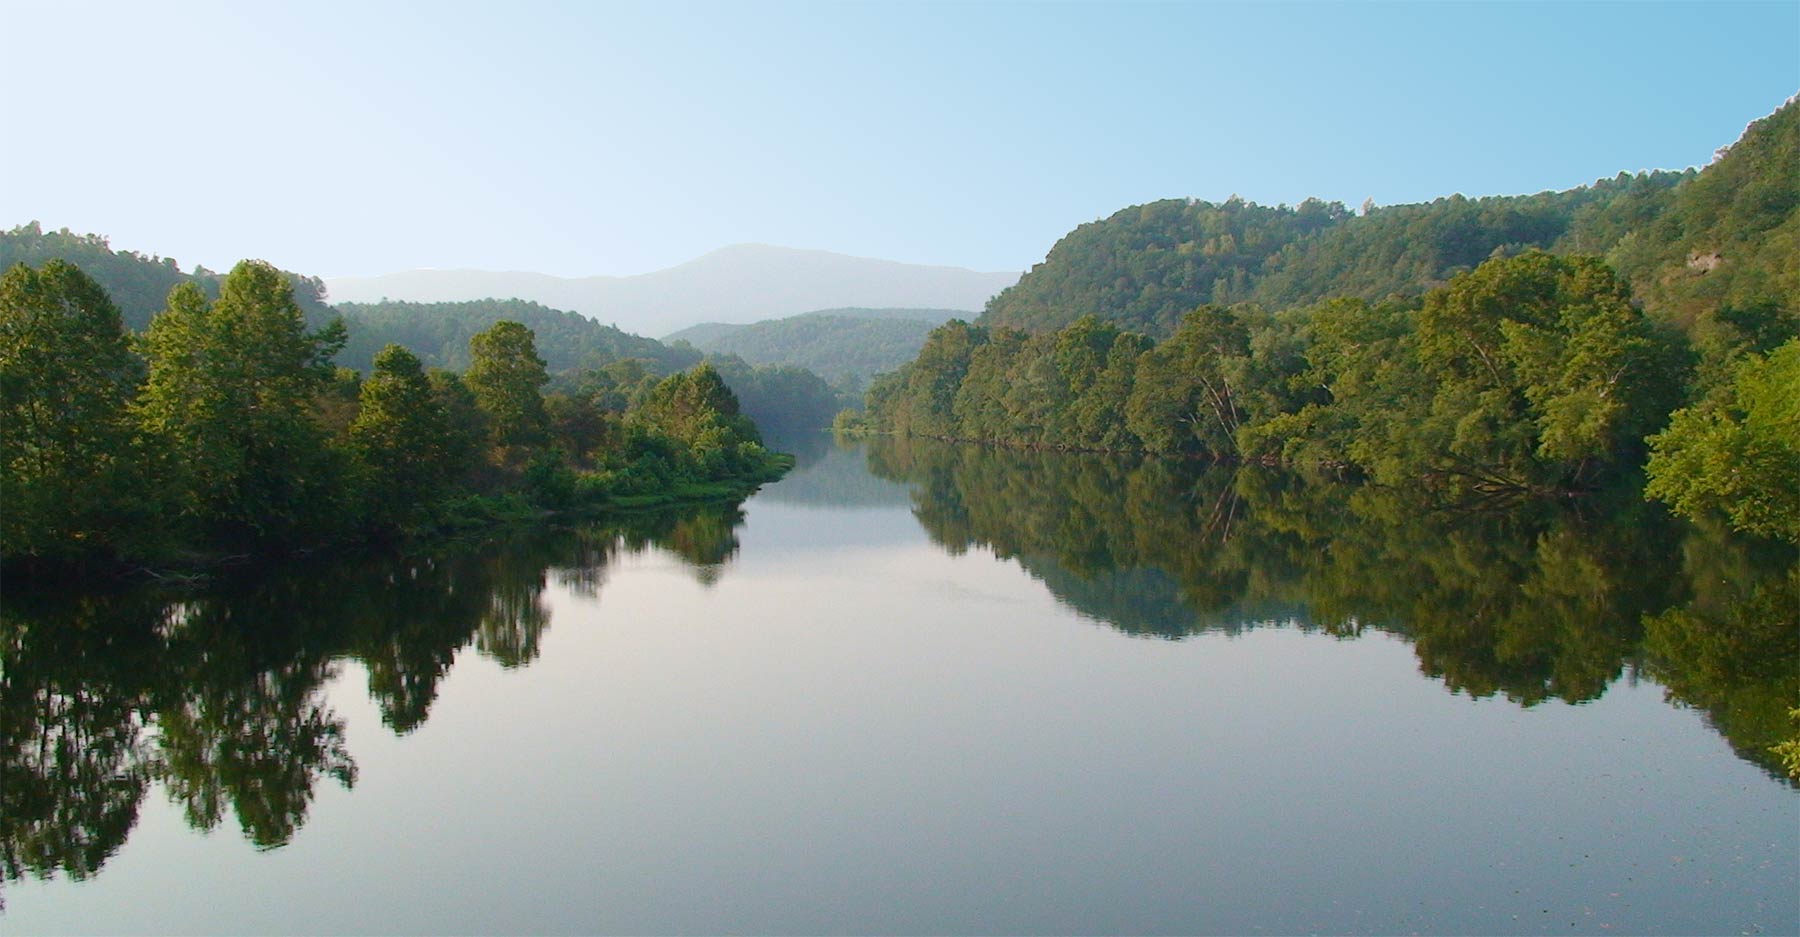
1529 600
218 696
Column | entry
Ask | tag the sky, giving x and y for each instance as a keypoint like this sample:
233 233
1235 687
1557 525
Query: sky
349 139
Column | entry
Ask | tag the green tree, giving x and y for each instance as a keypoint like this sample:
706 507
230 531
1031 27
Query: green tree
465 425
1543 370
1186 394
923 403
399 437
507 378
231 388
1370 394
696 410
1738 452
66 379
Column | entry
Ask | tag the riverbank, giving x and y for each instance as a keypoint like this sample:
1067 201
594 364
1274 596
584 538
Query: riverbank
457 520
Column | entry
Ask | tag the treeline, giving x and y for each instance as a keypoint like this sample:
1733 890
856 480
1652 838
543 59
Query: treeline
225 427
1532 602
1701 251
844 350
137 283
1686 242
780 399
1534 372
439 334
1522 368
1146 266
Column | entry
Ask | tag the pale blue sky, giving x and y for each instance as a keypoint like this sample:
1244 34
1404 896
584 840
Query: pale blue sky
586 138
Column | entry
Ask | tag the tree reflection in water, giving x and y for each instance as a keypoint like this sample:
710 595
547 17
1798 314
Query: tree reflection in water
1530 600
220 697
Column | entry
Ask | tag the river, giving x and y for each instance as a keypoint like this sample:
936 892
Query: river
933 689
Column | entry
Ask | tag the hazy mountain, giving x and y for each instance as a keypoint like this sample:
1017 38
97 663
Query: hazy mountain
707 334
845 349
739 284
439 334
933 316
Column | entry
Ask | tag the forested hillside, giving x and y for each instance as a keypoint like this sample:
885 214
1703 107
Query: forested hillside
782 397
439 334
844 349
1148 265
139 284
740 283
1530 343
223 426
1724 242
1687 242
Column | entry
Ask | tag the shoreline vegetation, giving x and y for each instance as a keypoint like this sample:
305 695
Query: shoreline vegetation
1537 345
222 432
458 523
1536 386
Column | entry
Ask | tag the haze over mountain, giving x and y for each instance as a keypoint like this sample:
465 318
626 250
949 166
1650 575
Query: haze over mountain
846 346
738 284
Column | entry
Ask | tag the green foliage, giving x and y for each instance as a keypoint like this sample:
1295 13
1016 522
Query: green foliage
782 400
1361 393
1788 750
465 425
698 413
838 348
69 466
230 389
1529 371
1147 266
1407 250
138 284
1714 255
235 432
1188 389
401 439
1542 370
1738 452
1727 238
919 399
440 333
507 378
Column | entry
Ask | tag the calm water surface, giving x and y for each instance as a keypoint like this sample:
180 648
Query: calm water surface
930 689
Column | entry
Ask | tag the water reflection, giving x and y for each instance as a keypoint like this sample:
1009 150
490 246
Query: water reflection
1527 600
833 475
219 698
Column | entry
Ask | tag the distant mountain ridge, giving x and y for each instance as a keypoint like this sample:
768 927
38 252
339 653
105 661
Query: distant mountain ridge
439 334
845 346
738 284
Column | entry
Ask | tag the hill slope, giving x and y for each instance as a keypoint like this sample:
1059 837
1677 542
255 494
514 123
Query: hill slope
842 350
1146 266
1693 244
439 334
738 284
139 284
